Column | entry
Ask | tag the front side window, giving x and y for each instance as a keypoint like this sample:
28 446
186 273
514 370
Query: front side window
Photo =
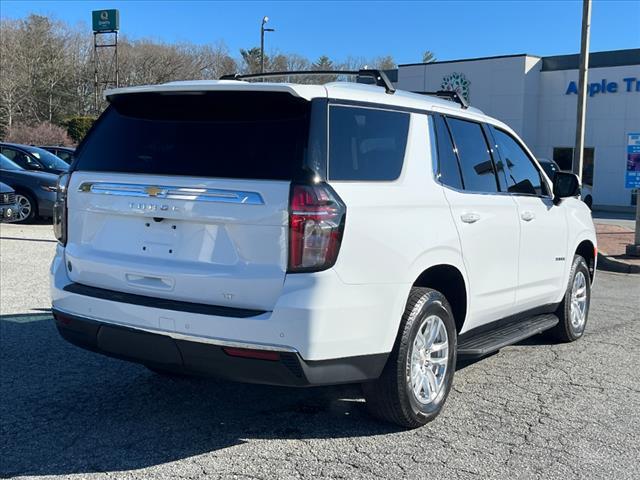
366 144
522 175
478 173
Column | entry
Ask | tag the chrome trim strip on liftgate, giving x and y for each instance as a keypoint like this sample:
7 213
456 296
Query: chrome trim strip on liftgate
195 194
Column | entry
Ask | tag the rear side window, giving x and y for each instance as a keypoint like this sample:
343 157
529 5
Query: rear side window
366 144
478 172
214 134
448 169
522 176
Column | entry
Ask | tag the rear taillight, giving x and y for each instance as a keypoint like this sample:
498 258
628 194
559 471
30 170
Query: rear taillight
60 209
316 224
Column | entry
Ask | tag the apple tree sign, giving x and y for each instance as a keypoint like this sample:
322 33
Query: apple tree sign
456 82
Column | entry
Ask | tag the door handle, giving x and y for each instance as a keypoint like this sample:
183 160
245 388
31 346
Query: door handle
527 215
470 217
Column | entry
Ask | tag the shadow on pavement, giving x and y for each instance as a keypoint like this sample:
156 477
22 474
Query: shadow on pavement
30 239
65 410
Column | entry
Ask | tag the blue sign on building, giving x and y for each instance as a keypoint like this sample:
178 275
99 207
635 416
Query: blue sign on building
632 176
629 84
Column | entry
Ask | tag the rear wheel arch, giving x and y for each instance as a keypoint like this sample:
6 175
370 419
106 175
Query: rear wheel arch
586 249
449 281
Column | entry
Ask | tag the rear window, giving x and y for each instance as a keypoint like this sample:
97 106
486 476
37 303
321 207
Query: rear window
366 144
252 135
48 159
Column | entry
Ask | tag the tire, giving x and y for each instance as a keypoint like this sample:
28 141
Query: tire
588 201
391 397
27 208
573 315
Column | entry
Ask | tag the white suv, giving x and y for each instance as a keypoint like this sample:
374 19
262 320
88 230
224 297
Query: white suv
314 234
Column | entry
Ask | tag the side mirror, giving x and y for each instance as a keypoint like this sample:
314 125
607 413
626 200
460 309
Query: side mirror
565 185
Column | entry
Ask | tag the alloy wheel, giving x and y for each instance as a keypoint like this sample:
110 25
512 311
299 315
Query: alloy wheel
24 207
578 310
429 360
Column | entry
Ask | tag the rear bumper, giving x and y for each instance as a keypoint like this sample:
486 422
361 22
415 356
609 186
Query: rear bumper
316 316
193 356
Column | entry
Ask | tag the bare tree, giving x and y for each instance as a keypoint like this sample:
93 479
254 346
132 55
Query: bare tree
385 62
12 80
46 68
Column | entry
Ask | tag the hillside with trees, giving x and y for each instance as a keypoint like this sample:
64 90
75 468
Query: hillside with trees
47 73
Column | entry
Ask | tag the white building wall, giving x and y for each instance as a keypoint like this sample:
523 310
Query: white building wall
535 104
497 86
610 116
531 101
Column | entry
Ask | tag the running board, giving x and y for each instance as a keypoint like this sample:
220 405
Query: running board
482 343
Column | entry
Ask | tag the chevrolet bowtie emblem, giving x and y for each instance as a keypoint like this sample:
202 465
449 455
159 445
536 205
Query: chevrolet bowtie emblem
153 191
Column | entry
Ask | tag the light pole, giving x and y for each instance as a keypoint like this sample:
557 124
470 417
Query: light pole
262 30
578 151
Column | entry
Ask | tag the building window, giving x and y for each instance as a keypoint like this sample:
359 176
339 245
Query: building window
563 156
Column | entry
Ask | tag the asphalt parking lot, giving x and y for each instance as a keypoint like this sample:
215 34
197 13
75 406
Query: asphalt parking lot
534 410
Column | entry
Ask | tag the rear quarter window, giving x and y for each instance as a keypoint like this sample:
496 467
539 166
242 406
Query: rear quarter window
366 143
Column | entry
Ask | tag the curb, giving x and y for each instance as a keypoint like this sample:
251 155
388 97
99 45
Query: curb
609 264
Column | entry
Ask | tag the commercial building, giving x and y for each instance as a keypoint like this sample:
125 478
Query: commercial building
537 97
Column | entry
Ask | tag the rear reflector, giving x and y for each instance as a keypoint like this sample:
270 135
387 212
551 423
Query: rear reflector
251 353
62 319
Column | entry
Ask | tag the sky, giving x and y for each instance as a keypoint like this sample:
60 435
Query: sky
453 29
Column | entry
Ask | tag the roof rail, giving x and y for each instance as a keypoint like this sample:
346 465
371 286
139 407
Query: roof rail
379 76
451 95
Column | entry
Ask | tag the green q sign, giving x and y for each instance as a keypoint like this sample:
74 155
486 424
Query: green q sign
106 20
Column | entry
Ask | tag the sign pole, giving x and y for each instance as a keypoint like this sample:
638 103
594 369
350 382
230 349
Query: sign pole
637 222
578 151
95 72
633 249
104 22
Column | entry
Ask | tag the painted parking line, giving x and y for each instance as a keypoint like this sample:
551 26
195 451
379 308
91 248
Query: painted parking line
26 317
